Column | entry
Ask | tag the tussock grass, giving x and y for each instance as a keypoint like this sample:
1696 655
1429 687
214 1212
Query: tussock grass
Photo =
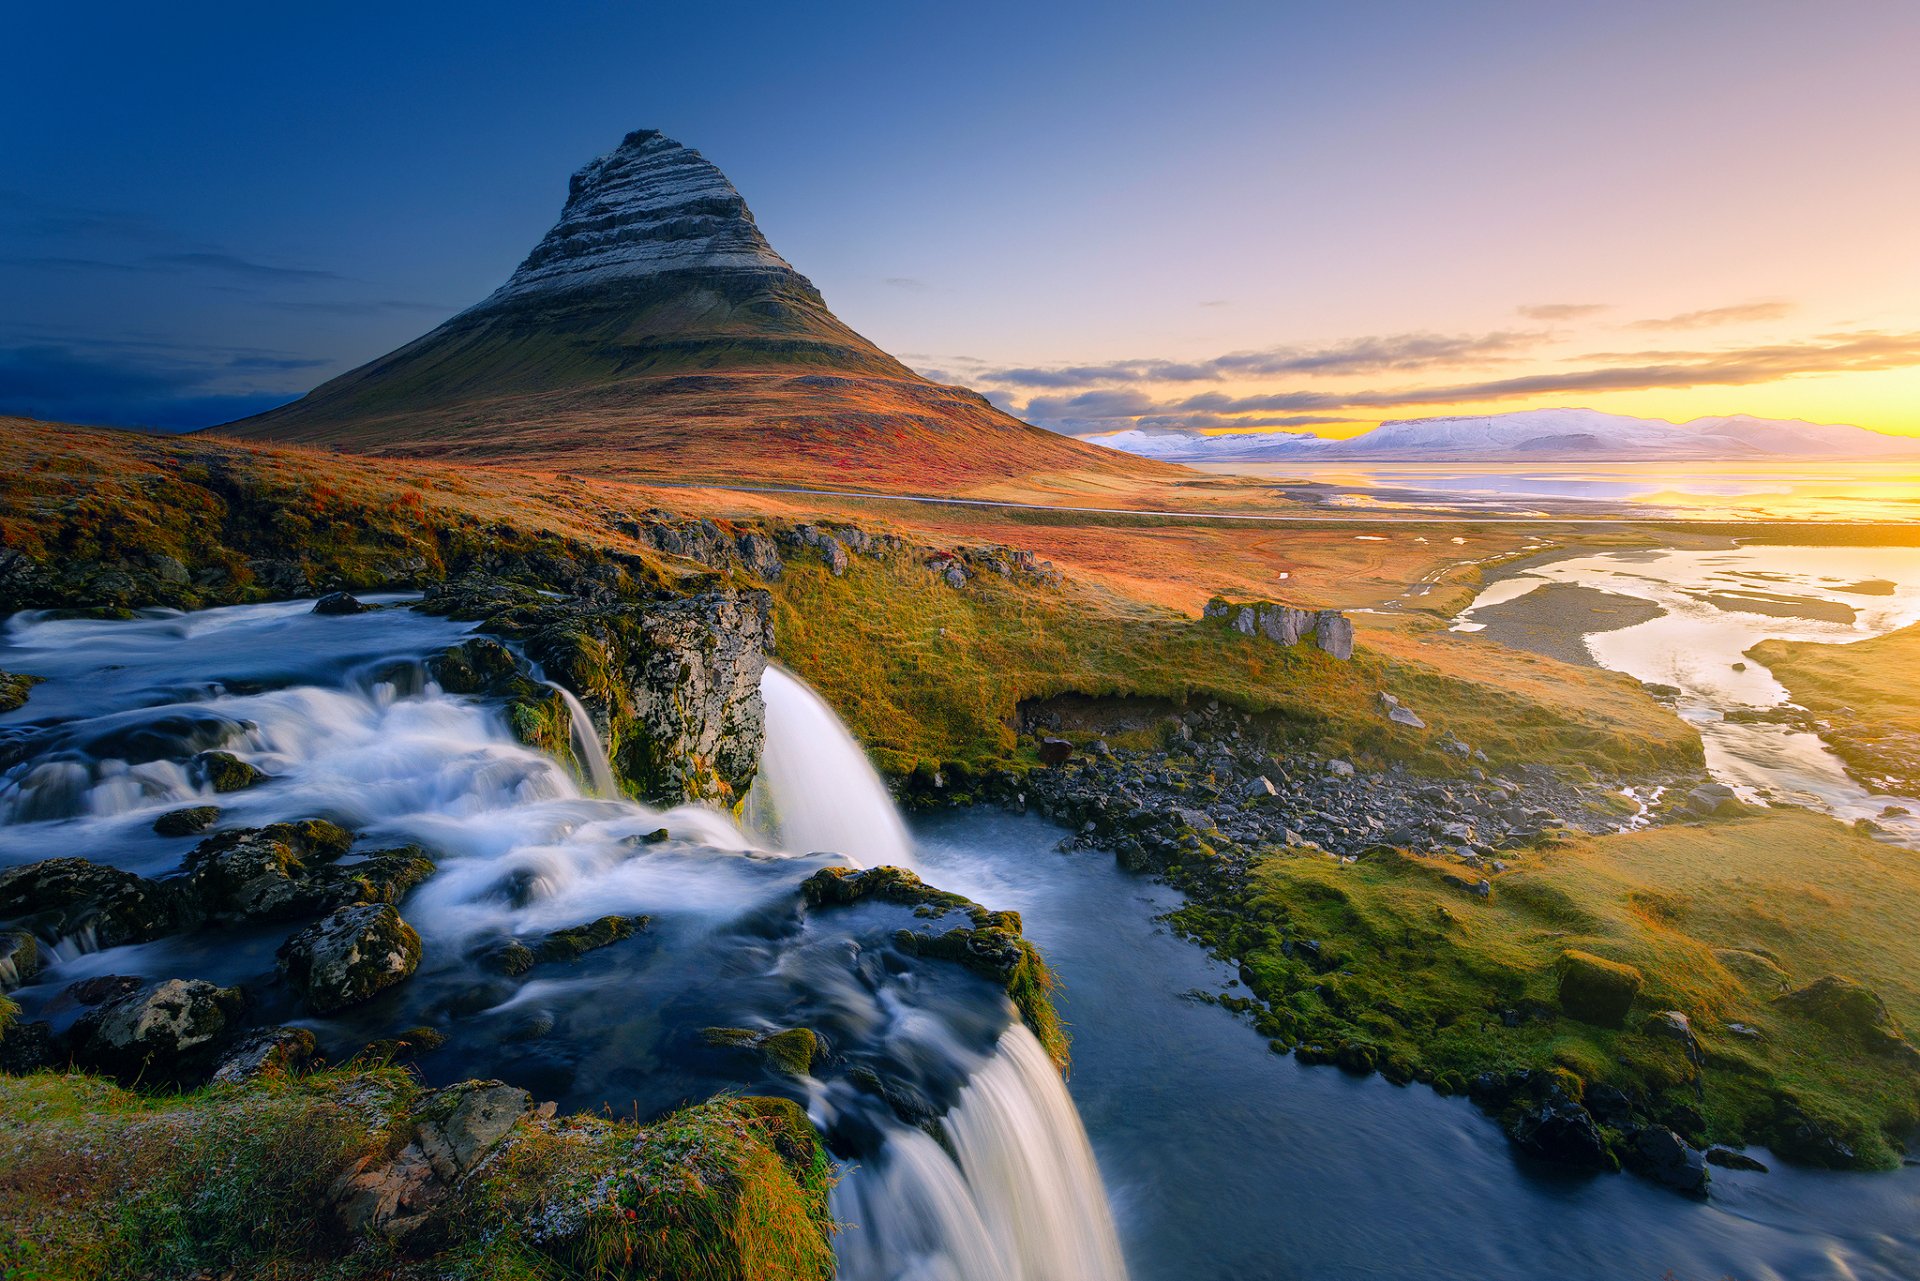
1867 691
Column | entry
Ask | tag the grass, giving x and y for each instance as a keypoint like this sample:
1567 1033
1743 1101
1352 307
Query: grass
930 677
1867 693
101 1182
1720 919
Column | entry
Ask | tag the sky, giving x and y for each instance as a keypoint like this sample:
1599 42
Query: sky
1186 216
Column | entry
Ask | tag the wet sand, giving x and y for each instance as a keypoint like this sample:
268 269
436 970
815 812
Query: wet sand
1556 619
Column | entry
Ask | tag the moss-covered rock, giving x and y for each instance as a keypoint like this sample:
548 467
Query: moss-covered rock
1850 1009
1596 990
350 956
225 772
163 1031
19 958
791 1050
576 941
14 689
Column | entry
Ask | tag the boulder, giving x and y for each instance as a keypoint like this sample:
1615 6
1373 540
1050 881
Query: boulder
225 772
350 956
340 603
480 665
1714 800
761 556
792 1051
61 898
1559 1130
273 1050
1730 1159
1851 1009
455 1130
1333 632
1596 990
1340 769
191 821
1667 1158
1055 751
576 941
158 1031
262 874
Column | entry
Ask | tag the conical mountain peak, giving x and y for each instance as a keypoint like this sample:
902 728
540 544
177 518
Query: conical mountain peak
649 207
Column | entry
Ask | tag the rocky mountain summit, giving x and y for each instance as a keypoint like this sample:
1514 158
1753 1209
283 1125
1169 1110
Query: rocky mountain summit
647 208
654 330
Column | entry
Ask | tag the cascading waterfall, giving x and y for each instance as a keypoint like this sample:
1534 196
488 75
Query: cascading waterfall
816 790
339 716
1020 1199
586 744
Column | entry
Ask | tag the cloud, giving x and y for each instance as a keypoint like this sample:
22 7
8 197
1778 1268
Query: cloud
238 266
1743 313
119 385
1854 352
1369 355
1563 310
908 283
358 307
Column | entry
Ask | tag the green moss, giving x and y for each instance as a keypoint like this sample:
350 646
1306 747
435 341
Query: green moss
14 689
103 1182
1596 990
576 941
225 772
792 1050
1713 918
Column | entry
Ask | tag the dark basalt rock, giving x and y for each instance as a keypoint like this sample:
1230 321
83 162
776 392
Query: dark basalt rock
68 897
481 665
191 821
1729 1159
30 1047
1559 1130
350 956
340 603
262 874
166 1031
1667 1158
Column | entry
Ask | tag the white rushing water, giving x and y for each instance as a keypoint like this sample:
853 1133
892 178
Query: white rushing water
1026 1202
586 743
816 789
1699 642
350 727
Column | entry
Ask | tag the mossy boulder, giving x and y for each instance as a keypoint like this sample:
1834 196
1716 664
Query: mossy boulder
163 1031
481 665
1596 990
1850 1009
14 689
262 874
576 941
350 956
266 1051
793 1050
225 772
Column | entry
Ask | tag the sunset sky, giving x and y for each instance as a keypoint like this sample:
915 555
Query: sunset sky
1195 215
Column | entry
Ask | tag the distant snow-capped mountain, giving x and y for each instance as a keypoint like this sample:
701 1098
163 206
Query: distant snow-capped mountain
1535 435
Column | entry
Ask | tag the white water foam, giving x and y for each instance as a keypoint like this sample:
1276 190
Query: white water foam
816 790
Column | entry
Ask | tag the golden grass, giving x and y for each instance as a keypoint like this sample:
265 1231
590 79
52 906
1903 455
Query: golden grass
1868 692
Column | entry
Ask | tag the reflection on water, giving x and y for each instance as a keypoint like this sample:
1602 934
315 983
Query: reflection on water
1747 490
1720 604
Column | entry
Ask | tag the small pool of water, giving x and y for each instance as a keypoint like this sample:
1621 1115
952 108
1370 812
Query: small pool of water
1227 1162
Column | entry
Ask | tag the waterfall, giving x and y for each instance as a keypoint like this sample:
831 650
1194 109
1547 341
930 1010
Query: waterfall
1009 1193
586 744
816 790
1020 1199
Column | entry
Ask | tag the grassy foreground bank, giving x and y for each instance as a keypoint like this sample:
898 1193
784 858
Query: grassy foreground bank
101 1182
1412 974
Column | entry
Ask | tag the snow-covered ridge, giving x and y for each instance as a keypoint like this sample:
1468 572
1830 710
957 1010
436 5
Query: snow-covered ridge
647 207
1535 435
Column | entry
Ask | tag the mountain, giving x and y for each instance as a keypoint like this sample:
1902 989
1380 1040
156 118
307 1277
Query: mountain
1537 435
654 332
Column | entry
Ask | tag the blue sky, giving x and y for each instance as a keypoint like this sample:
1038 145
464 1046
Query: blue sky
205 209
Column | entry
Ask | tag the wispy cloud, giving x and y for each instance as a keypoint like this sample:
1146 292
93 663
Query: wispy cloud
1850 352
908 283
233 264
1369 355
1563 310
1711 317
